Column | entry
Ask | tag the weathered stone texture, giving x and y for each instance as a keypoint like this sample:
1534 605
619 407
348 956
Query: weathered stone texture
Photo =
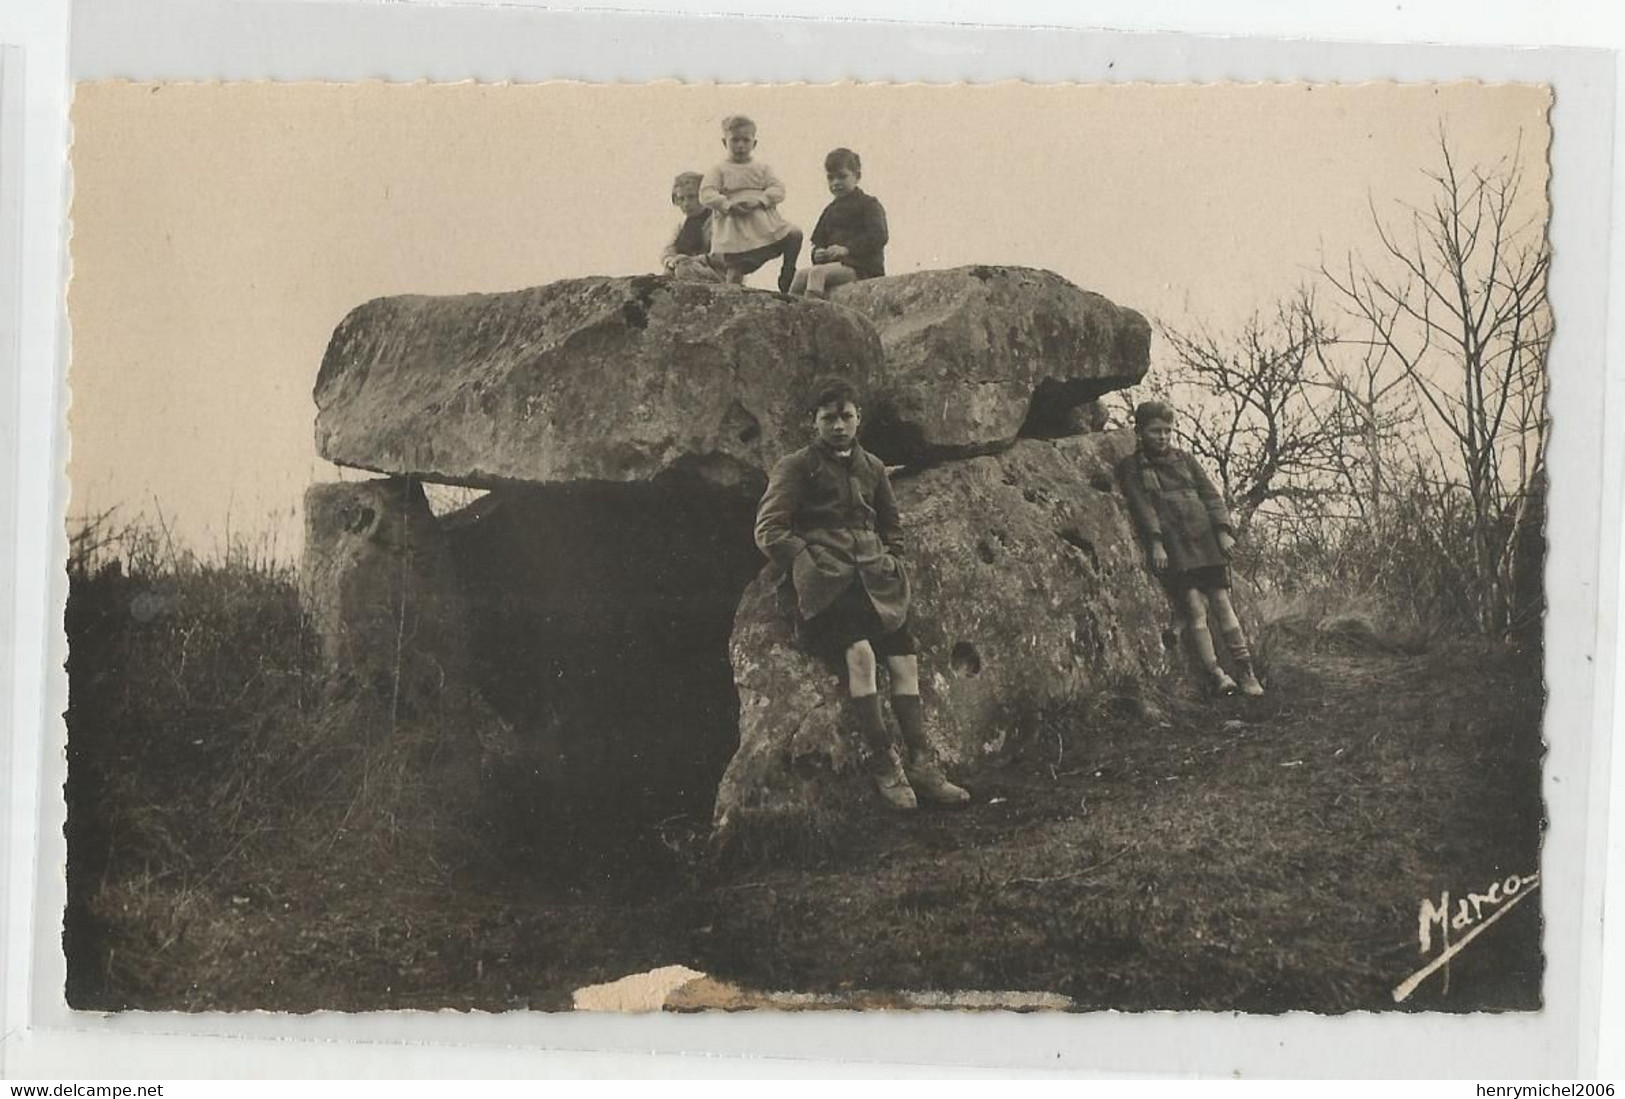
975 353
594 379
378 587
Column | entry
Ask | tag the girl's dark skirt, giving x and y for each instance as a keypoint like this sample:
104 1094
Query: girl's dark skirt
848 620
1209 578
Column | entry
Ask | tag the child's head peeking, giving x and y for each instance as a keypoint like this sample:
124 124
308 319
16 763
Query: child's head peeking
685 192
842 170
1154 424
836 415
739 137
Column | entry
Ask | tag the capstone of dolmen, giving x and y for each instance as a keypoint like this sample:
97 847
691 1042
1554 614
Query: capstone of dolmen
976 356
590 379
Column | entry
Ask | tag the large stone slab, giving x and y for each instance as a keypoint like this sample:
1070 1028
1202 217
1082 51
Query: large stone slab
378 587
592 379
977 355
424 758
1030 591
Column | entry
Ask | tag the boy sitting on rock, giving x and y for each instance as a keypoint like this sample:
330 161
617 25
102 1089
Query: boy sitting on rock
829 521
688 253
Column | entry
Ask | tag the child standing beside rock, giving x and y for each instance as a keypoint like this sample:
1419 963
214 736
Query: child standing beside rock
744 195
849 240
830 522
1189 538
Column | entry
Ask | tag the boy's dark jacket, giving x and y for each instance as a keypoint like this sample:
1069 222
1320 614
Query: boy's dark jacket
1172 499
857 222
693 236
825 520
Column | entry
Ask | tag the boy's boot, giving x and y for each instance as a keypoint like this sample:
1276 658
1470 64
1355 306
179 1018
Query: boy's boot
1243 657
923 771
1202 642
883 766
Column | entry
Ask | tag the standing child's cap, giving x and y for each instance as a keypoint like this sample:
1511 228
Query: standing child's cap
1152 411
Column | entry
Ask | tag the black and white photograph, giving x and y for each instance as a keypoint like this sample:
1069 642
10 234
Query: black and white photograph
694 548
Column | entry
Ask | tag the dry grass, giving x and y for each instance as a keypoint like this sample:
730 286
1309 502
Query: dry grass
234 843
206 772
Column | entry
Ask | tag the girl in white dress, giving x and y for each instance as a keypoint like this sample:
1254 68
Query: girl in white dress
743 196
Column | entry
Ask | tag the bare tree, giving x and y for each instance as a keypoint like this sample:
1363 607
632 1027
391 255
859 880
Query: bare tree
1375 400
1262 409
1458 305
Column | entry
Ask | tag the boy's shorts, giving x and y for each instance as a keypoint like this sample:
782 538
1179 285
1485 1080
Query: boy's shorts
1210 578
848 620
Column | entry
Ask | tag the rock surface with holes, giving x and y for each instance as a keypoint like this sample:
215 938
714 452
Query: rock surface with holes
1030 591
592 379
977 355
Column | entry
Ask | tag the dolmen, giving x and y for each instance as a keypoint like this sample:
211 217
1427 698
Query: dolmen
604 595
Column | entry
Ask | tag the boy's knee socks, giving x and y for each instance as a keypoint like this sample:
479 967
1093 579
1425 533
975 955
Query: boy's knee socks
871 724
1237 642
910 721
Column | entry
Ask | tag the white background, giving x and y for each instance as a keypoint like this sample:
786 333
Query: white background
35 1049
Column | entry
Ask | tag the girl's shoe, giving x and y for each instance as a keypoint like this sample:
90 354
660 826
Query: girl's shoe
1250 686
1223 684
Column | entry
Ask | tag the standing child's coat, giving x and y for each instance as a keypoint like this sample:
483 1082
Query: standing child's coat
1171 498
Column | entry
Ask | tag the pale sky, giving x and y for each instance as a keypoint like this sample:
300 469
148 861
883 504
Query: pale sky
220 232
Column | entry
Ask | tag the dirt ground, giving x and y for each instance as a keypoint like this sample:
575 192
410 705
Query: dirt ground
1255 855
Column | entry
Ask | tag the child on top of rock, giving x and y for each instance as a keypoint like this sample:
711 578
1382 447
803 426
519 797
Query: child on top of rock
1189 538
849 241
829 521
743 196
688 255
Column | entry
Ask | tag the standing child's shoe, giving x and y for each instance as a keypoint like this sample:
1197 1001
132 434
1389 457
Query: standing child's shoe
1250 686
930 784
1222 683
890 781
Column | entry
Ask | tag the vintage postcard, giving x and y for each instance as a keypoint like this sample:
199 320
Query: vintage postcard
687 547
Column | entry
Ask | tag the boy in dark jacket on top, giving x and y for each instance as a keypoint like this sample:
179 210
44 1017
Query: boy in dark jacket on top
829 521
1189 538
849 241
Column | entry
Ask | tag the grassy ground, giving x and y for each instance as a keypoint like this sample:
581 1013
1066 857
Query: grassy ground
1256 855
